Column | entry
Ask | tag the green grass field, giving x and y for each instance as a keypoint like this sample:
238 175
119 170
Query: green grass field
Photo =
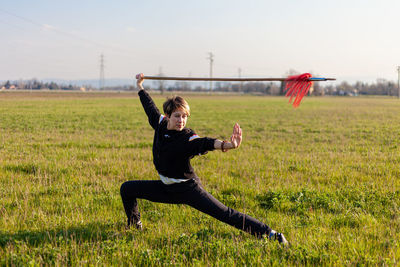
325 174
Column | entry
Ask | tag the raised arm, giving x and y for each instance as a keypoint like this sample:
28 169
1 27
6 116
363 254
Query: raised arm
236 140
149 106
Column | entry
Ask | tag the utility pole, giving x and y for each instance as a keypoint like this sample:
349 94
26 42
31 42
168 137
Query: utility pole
398 81
211 58
241 83
161 83
187 85
101 80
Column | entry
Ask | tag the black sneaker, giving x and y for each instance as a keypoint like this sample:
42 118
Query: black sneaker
139 226
135 222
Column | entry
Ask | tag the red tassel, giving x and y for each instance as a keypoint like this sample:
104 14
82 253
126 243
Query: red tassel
297 87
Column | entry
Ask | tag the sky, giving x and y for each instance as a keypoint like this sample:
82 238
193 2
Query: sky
345 39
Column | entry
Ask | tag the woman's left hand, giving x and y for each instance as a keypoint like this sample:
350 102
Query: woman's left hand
139 81
236 138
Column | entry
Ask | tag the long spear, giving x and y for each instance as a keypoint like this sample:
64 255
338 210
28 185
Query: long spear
296 86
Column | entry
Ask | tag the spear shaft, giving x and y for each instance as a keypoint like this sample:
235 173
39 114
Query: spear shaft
314 79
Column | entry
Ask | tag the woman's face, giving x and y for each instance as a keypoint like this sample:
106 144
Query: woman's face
177 120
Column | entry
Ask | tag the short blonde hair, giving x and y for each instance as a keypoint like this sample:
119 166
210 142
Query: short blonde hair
174 103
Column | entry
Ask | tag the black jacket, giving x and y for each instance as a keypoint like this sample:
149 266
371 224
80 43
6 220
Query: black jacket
172 150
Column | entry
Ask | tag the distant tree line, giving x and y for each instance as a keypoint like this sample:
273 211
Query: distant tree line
380 87
36 85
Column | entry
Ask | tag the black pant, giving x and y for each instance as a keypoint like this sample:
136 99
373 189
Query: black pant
192 194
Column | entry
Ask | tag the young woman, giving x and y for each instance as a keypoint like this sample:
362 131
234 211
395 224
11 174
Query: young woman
173 147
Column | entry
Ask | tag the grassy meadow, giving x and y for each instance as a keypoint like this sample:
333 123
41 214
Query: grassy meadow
325 174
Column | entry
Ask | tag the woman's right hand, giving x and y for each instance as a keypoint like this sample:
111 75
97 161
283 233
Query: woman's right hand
139 81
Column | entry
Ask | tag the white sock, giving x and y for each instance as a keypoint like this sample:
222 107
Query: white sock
273 232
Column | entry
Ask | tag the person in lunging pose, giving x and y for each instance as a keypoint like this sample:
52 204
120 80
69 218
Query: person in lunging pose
173 147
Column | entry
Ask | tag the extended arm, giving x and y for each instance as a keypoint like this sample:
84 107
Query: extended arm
198 146
149 106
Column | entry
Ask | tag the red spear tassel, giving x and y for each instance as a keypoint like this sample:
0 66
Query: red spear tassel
297 87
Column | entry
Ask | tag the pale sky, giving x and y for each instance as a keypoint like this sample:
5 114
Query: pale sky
346 39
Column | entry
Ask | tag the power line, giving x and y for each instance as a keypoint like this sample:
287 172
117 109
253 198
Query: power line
65 33
12 25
